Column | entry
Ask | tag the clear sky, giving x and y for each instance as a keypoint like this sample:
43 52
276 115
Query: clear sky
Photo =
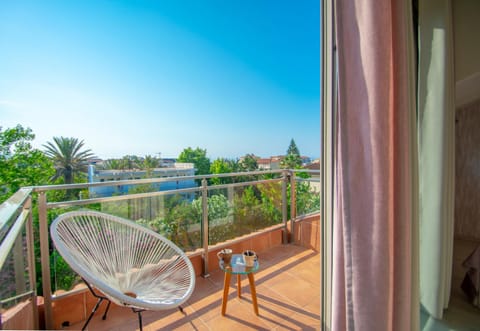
148 77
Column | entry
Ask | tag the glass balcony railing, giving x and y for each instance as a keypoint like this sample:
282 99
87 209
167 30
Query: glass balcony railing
215 210
17 265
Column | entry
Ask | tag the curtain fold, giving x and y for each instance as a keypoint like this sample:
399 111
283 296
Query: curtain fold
375 262
436 135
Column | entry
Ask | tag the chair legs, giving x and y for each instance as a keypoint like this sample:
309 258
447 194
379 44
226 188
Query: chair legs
139 312
104 317
101 298
99 301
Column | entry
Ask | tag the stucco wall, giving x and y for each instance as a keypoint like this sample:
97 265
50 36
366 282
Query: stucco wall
467 172
466 22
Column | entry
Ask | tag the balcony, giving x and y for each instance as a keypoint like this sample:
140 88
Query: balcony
288 293
288 282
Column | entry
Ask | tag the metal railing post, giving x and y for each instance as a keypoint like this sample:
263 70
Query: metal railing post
293 203
284 207
31 261
205 227
45 259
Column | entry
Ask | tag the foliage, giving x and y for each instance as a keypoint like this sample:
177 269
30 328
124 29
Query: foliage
21 164
111 164
292 160
248 163
143 188
62 276
129 162
293 149
218 208
222 166
271 193
176 222
198 157
220 218
308 201
68 158
254 210
149 163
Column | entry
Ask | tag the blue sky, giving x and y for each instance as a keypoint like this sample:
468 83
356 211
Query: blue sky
148 77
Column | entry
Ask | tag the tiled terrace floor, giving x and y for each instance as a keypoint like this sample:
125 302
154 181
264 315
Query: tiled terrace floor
288 293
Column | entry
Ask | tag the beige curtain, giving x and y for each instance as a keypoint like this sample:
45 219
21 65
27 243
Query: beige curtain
375 253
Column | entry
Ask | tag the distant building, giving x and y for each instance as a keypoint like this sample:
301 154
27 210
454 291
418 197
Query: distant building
167 162
306 160
263 164
274 162
314 165
178 170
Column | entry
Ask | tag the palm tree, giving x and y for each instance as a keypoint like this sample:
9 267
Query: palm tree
67 157
130 162
149 163
111 164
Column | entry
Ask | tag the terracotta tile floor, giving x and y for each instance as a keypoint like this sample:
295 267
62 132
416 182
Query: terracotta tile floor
288 293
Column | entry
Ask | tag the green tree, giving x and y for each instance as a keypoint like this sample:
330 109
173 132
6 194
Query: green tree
130 162
20 163
222 166
198 157
68 158
292 160
307 199
249 163
149 163
293 149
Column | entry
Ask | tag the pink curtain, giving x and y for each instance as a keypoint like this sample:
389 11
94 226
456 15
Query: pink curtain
375 257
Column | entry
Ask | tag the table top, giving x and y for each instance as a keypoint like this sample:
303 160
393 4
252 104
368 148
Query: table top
237 266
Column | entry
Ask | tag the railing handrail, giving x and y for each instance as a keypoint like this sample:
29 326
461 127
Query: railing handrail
44 188
12 235
10 207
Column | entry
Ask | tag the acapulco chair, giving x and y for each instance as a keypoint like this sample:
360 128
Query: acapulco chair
130 264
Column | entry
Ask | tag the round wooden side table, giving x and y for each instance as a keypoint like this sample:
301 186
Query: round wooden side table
238 267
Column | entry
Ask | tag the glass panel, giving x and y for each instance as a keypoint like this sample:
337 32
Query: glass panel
174 216
63 278
14 275
240 210
307 195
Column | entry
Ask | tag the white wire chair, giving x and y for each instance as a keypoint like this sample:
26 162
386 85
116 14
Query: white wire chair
130 264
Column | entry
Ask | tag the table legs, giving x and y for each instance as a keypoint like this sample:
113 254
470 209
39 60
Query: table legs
239 286
226 287
254 292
